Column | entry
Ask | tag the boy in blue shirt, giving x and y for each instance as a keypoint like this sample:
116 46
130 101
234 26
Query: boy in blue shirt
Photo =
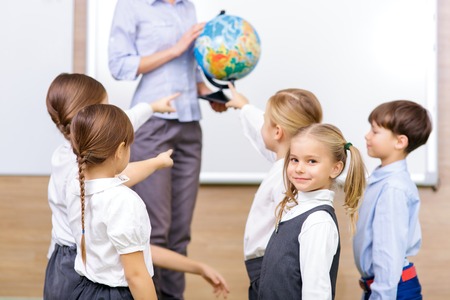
388 229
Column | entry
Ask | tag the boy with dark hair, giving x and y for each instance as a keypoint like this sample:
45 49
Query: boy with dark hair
388 229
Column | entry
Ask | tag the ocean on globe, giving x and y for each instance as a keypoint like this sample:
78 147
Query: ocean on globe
228 48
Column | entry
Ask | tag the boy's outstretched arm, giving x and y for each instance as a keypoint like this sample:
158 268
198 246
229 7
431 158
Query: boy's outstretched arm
139 170
168 259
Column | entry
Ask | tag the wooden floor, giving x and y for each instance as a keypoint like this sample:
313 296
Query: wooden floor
217 240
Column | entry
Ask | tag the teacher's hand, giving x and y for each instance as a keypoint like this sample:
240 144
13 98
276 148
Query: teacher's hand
218 107
188 37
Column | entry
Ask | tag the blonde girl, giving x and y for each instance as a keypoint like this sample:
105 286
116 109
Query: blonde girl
305 243
109 221
270 132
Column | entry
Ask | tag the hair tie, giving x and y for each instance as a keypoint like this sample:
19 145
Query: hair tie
347 146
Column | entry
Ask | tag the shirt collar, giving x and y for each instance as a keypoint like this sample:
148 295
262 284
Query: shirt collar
99 185
320 195
382 172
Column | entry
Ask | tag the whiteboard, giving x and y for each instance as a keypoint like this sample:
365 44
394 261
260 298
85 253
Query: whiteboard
352 54
37 45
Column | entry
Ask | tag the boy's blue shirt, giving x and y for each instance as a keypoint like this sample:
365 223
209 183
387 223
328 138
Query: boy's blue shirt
388 229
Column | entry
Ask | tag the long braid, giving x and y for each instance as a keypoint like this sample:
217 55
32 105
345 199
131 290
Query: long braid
81 166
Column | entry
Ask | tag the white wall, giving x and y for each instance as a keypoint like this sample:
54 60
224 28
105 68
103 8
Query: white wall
36 45
352 54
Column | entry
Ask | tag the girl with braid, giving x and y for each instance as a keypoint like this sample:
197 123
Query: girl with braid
305 242
111 226
67 94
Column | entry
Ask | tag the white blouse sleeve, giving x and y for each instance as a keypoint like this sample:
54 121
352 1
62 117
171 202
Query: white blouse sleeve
318 240
252 120
128 224
139 114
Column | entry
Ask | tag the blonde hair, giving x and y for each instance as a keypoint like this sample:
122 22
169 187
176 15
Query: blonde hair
294 108
331 137
96 133
67 94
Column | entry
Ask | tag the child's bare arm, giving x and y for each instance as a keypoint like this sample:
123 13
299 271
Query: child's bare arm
139 170
168 259
136 273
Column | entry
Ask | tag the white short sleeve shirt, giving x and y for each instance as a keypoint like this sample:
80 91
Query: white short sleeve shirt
116 222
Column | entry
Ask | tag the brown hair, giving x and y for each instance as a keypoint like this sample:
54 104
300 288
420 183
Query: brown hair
331 137
294 108
67 94
404 117
97 131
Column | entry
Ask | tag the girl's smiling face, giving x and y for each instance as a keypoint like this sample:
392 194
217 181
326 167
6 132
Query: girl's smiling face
311 165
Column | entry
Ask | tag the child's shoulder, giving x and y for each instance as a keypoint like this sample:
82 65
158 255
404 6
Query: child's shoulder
401 183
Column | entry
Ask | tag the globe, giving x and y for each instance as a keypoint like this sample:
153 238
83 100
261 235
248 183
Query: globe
228 48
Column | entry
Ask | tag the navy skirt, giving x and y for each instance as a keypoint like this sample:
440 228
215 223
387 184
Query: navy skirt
88 290
60 276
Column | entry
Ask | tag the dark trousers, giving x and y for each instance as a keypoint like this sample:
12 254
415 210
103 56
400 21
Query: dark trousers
170 193
406 290
60 276
253 267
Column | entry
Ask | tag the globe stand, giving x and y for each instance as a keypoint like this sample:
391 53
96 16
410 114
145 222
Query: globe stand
219 95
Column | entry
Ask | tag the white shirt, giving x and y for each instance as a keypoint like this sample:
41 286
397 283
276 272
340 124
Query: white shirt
319 239
116 223
64 168
261 219
139 114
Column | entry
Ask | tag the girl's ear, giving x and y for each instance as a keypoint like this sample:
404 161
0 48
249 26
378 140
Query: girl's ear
336 170
120 150
402 142
279 133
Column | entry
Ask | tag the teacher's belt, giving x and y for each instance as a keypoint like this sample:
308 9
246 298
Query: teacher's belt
407 274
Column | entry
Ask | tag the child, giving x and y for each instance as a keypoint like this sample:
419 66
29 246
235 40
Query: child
112 228
388 229
67 94
270 133
302 257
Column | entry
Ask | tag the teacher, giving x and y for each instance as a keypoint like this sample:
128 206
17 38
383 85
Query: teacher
154 38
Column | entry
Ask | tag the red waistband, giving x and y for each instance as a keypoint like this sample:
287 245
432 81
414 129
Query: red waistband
407 274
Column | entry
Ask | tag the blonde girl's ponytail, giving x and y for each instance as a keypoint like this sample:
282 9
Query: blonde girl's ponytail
354 185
